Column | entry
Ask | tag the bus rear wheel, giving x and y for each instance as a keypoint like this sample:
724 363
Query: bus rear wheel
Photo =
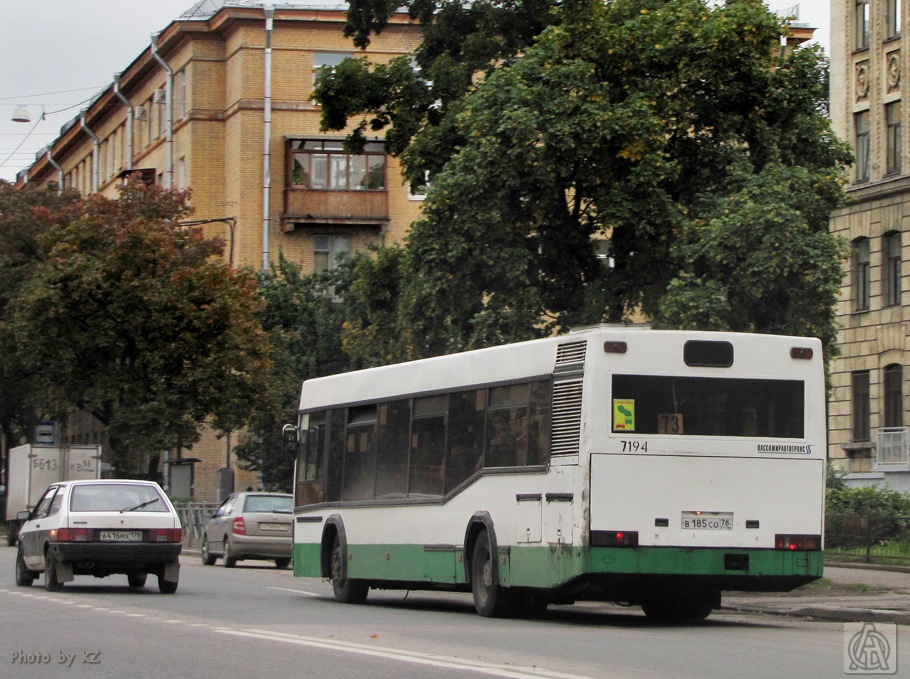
491 599
347 590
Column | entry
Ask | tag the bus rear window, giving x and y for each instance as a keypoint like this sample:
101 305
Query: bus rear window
708 406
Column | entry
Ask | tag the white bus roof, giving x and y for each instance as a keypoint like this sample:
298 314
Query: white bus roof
513 362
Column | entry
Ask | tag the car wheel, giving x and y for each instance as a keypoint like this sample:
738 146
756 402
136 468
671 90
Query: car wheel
24 577
166 586
229 561
208 558
282 563
347 591
136 580
51 583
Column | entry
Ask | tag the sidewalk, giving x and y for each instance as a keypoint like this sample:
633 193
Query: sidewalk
849 593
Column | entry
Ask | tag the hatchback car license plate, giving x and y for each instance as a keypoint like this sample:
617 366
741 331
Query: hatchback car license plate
707 520
273 526
120 536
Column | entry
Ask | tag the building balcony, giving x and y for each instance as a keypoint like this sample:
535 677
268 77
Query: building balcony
893 449
304 207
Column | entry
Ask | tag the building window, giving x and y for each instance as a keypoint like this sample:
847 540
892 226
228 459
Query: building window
893 121
861 121
892 268
861 405
894 398
328 251
861 25
320 164
893 18
180 92
328 60
861 274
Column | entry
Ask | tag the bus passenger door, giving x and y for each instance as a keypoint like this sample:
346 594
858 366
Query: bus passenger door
528 517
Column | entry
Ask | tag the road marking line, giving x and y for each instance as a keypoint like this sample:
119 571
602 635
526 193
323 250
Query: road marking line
404 656
295 591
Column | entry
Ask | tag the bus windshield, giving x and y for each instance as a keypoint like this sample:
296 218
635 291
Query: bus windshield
708 406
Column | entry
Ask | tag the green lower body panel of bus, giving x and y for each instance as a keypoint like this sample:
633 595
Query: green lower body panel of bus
555 566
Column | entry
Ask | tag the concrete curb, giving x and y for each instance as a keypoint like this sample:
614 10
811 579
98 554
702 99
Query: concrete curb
831 613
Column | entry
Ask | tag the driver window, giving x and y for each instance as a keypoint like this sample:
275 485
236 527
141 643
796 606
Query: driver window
44 505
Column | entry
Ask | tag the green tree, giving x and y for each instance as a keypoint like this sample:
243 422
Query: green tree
135 320
673 130
417 99
24 216
303 317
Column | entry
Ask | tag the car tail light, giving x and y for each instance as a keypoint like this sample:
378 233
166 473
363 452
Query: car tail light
71 535
166 535
614 538
239 526
798 543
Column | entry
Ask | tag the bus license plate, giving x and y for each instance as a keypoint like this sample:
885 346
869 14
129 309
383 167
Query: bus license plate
707 520
120 536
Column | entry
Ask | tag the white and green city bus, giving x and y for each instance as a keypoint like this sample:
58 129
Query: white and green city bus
622 464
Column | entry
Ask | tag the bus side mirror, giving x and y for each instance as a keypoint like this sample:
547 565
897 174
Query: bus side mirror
290 439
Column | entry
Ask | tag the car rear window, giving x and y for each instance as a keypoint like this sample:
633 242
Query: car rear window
117 497
266 503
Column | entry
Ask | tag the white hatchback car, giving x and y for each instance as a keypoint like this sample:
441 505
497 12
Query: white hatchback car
100 528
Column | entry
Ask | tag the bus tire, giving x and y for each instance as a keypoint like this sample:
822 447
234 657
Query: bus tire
347 590
491 599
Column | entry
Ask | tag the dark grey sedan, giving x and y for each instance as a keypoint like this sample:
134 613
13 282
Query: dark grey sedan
250 526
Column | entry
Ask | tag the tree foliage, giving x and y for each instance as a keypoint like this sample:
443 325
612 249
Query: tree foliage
303 317
674 130
129 317
24 216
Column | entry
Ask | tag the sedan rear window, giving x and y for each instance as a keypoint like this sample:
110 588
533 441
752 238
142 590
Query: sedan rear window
117 497
265 503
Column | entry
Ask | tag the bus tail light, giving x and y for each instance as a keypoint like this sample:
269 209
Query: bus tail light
71 535
166 535
804 353
239 526
798 543
615 347
614 538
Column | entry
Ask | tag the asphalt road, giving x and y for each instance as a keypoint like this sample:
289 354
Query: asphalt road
257 621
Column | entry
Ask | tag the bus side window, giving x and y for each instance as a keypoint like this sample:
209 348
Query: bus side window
392 450
428 440
539 429
335 462
311 465
507 426
465 449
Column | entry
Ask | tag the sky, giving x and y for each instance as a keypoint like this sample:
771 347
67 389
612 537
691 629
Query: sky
55 55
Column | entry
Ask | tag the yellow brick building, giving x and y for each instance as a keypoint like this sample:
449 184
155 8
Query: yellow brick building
869 410
221 103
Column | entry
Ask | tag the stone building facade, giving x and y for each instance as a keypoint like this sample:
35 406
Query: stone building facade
869 408
221 103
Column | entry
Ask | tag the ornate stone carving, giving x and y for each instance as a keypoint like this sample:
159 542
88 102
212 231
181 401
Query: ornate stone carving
893 72
862 80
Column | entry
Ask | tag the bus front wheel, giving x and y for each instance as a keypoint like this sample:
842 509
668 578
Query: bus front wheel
347 590
491 599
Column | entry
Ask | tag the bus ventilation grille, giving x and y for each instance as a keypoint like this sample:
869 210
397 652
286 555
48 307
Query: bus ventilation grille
566 434
570 356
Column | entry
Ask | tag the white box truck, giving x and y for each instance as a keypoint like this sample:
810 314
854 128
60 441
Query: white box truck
32 468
